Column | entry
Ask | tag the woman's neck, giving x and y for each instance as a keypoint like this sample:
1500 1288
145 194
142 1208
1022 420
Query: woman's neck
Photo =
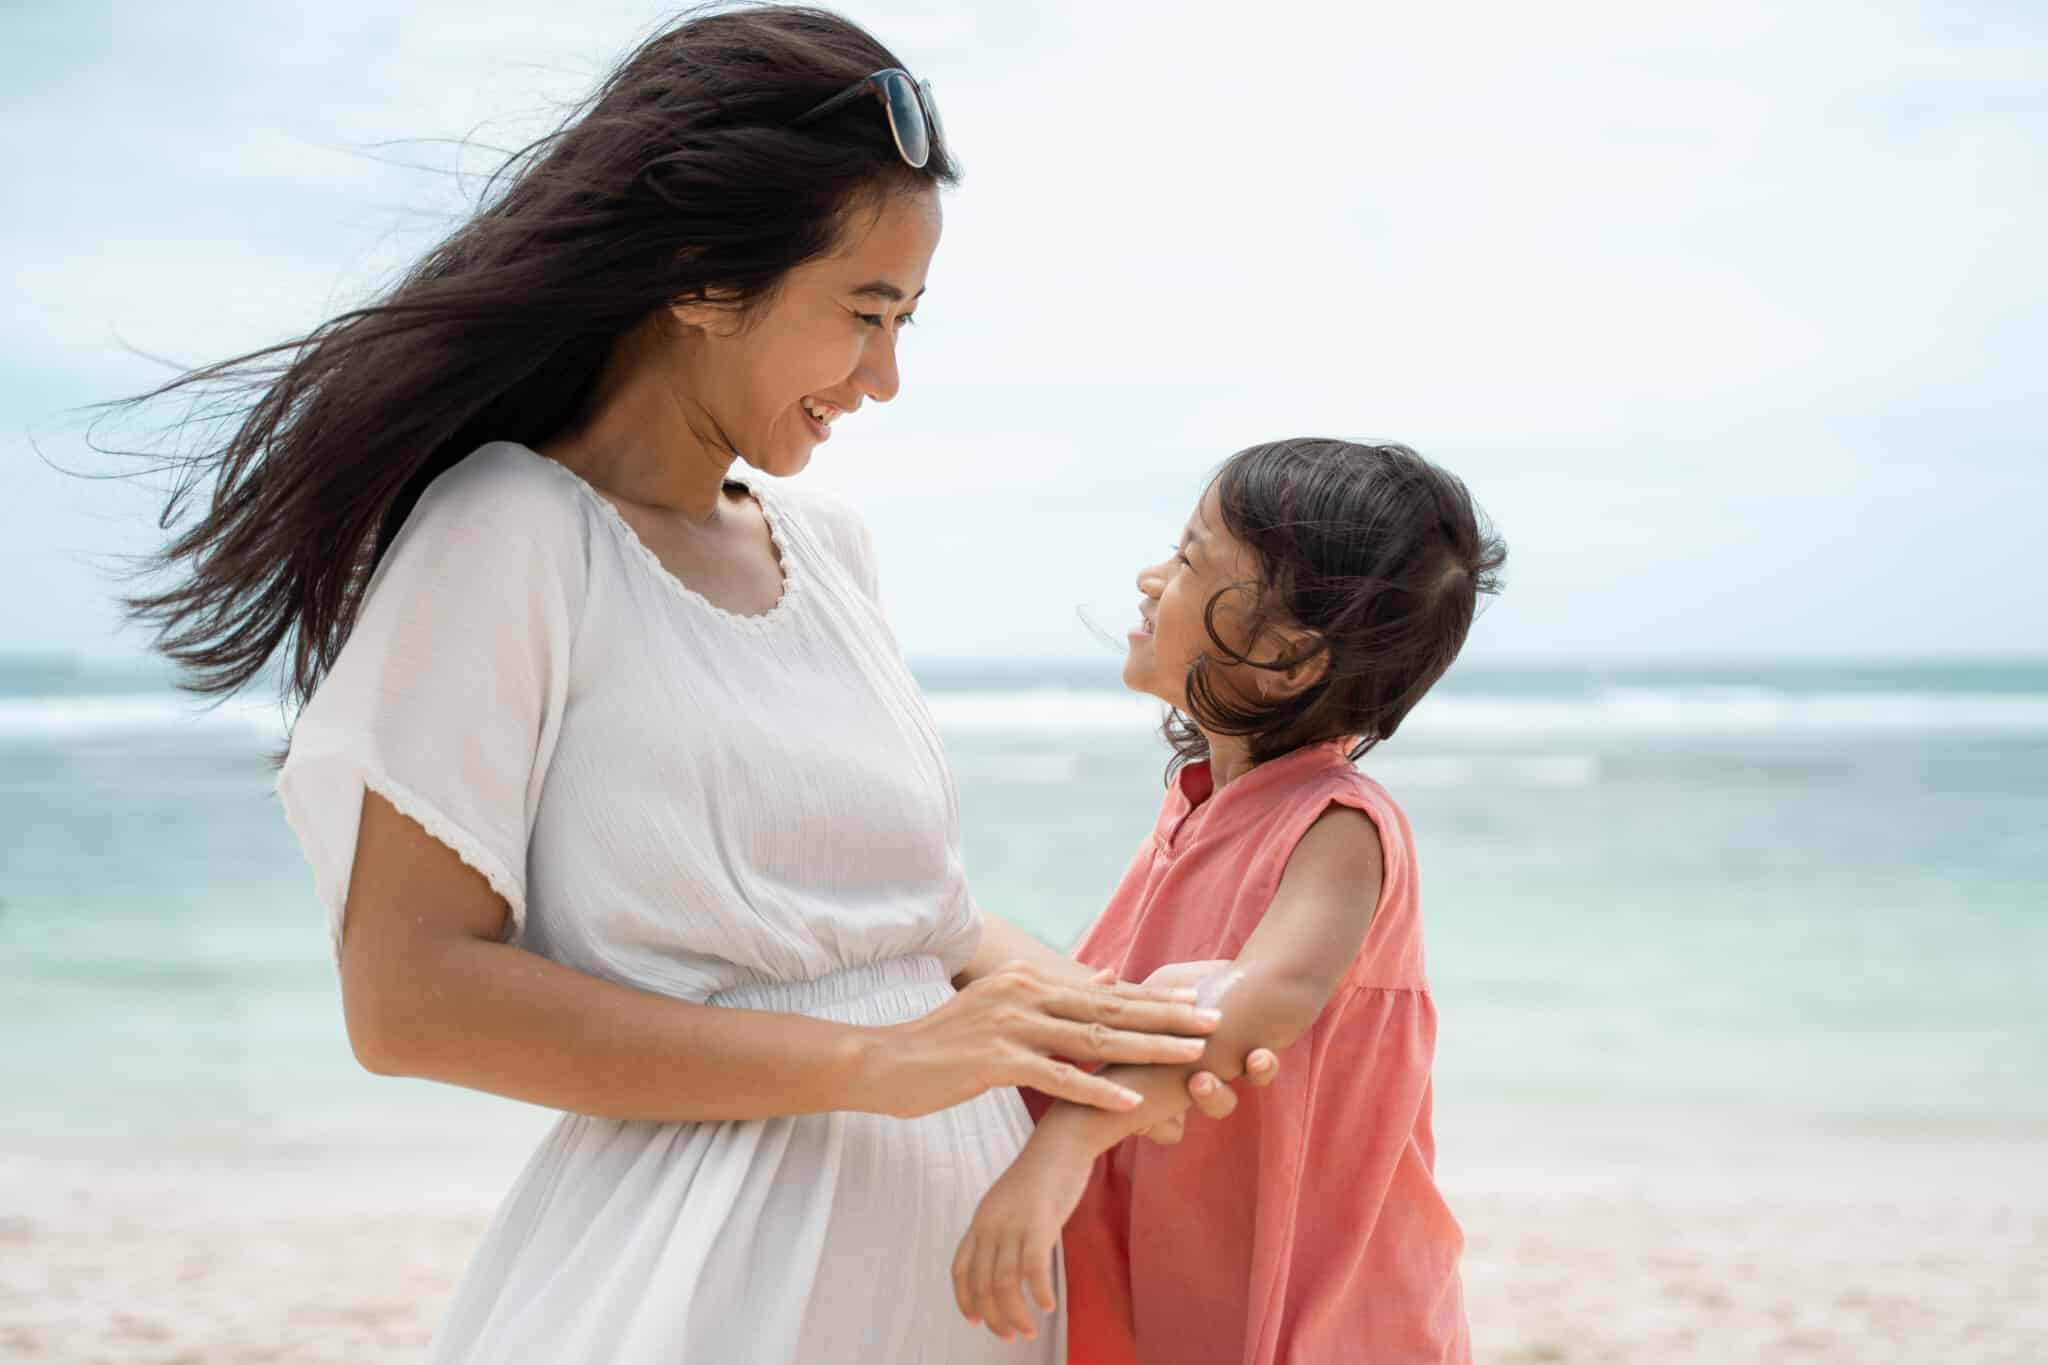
642 437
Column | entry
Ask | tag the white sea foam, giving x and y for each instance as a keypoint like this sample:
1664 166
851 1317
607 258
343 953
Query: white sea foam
1720 710
1616 712
1409 771
1048 710
59 718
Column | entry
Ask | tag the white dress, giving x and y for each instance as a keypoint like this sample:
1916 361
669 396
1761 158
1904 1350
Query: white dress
746 811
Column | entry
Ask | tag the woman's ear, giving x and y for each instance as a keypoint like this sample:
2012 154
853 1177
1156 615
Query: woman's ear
1307 663
717 314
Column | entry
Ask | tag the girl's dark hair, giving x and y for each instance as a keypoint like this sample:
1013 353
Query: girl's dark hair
680 179
1377 554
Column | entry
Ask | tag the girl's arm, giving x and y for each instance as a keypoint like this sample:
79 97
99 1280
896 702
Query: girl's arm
1288 970
429 991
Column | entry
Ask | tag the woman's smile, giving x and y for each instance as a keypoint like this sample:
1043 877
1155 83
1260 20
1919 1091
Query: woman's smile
819 416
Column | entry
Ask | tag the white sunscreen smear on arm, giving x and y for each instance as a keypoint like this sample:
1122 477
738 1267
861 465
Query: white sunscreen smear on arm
1211 989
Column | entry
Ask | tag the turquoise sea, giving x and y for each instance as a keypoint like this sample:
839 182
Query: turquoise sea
1788 897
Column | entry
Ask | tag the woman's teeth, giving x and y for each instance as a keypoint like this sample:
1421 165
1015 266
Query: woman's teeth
820 412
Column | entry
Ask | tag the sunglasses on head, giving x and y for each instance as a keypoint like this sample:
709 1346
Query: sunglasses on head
913 113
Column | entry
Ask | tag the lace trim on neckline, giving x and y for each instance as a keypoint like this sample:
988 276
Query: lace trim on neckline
778 537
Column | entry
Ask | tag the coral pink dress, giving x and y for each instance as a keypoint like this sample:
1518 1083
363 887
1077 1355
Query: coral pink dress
1307 1227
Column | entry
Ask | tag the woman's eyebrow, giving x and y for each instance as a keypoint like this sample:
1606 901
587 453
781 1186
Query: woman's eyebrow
882 289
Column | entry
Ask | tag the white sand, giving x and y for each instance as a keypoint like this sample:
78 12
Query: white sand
308 1256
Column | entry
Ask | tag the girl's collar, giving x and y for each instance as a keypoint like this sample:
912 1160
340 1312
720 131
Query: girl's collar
1195 787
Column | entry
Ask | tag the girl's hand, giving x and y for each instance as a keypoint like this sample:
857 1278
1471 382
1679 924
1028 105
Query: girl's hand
1017 1026
1004 1264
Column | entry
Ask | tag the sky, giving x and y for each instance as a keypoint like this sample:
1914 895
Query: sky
1731 314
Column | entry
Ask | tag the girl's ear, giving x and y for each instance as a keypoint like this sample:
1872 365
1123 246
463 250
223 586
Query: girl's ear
1307 666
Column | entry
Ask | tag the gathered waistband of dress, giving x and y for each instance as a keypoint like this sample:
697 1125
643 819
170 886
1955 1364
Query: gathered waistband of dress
836 988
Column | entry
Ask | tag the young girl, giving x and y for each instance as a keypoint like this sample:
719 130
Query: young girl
1318 591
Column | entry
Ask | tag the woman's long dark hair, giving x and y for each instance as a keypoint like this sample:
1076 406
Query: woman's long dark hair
679 180
1377 554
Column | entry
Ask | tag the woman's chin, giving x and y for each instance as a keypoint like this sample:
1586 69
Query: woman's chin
784 464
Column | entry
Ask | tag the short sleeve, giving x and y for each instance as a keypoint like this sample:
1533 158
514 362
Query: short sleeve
448 696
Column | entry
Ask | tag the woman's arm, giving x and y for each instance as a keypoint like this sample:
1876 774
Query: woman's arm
428 991
1288 970
1003 943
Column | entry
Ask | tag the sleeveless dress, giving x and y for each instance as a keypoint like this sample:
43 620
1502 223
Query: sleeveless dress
752 812
1307 1227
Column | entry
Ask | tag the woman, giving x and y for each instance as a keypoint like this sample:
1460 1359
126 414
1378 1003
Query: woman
613 781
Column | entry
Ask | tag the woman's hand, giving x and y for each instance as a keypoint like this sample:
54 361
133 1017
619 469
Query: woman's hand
1186 976
1017 1026
1210 1095
1004 1264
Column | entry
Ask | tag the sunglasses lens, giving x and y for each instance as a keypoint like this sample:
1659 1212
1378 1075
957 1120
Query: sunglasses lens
931 112
906 118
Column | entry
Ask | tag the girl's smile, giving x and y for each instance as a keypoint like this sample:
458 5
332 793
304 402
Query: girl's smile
1173 629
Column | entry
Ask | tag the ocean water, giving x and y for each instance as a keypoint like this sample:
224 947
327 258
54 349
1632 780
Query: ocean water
1727 900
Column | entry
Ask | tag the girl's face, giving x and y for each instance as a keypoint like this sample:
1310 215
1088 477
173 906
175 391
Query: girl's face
1170 634
774 383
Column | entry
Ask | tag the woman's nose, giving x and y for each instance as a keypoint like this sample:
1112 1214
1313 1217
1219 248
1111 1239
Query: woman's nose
1151 580
876 375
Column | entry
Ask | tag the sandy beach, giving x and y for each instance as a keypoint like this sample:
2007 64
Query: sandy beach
217 1257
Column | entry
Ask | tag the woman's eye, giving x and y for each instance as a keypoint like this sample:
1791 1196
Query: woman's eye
875 319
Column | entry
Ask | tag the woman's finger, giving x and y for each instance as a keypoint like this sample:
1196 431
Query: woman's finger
1066 1082
1138 990
1261 1067
1100 1043
1023 982
1094 1005
1211 1095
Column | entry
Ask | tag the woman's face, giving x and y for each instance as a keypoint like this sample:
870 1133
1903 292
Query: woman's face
1170 634
776 382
